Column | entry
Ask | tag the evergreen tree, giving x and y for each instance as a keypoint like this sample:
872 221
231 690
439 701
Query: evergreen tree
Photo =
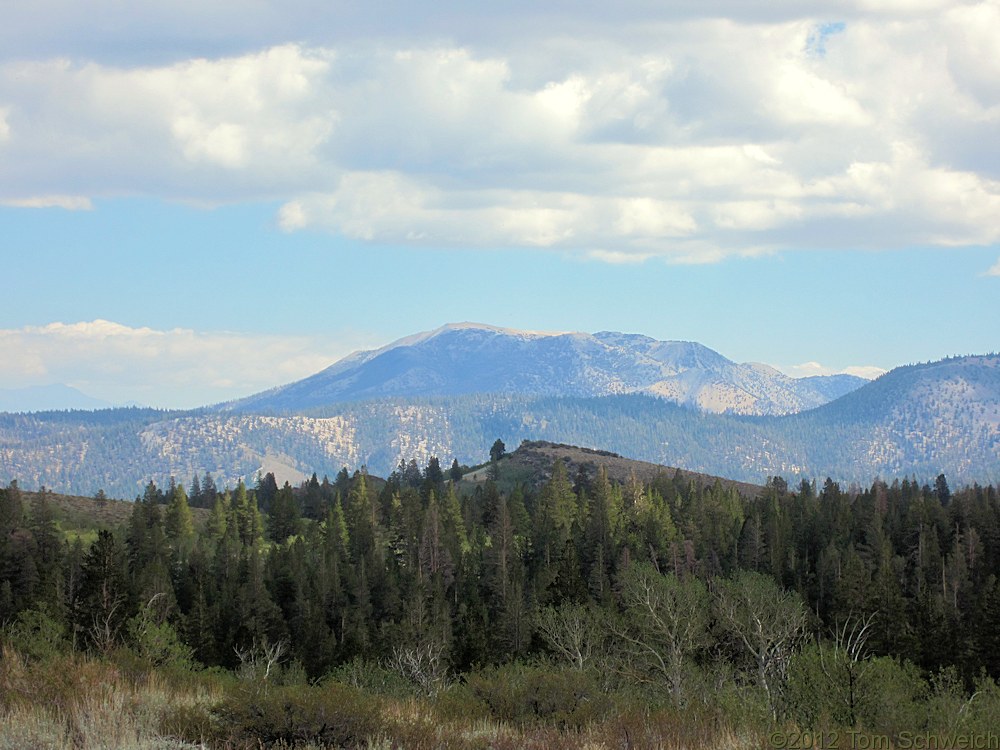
498 450
313 504
555 514
599 550
104 602
209 491
49 556
266 490
179 523
194 494
284 520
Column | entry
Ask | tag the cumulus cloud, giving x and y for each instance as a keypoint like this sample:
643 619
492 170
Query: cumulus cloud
809 369
212 130
67 202
994 270
694 133
172 368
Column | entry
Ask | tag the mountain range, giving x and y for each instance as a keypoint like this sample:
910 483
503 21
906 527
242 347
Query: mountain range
451 392
466 358
47 397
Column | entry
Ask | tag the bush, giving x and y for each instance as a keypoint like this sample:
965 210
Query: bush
374 677
565 698
331 714
193 723
38 635
458 702
158 642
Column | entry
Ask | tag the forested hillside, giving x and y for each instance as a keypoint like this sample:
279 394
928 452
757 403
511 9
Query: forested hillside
649 585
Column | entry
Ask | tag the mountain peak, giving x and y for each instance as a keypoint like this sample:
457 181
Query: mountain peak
472 326
467 358
415 339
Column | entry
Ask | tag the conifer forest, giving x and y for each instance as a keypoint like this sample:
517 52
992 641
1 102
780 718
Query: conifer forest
430 609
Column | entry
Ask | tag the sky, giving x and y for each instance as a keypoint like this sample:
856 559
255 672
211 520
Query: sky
201 200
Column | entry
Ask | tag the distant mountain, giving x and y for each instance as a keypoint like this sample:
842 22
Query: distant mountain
832 387
937 416
47 398
468 358
915 421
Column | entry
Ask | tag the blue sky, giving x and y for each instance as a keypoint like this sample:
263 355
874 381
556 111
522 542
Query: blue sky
188 215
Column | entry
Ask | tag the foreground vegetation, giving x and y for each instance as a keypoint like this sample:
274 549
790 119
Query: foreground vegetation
119 700
424 611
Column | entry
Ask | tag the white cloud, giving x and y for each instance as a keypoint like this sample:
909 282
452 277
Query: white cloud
215 130
994 270
627 134
67 202
392 207
173 368
810 369
617 258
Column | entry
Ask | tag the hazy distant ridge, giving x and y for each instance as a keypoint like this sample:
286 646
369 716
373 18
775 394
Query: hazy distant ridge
467 358
914 421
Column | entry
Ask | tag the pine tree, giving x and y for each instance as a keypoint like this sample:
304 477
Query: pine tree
49 556
599 549
194 494
249 523
555 514
104 602
266 491
313 504
208 491
179 523
284 520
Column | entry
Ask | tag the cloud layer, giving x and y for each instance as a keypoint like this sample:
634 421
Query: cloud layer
178 368
697 133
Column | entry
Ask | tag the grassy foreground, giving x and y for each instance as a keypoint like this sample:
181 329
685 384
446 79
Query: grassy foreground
84 702
77 701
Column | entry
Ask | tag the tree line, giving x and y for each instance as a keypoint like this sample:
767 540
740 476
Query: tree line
666 583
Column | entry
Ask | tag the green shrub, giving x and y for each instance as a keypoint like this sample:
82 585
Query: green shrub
565 698
373 677
330 714
896 700
38 635
460 702
817 697
980 712
158 642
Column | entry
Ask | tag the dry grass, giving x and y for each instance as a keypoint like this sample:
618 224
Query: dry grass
535 459
75 702
83 516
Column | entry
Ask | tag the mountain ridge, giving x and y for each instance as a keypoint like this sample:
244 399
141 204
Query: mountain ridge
848 441
915 421
464 358
51 397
